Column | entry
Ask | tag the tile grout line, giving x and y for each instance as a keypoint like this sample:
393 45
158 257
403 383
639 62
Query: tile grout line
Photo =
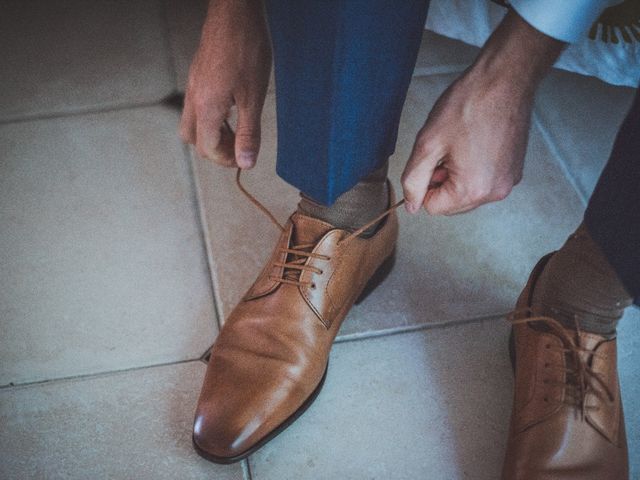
358 336
246 469
204 229
558 157
93 110
87 376
355 337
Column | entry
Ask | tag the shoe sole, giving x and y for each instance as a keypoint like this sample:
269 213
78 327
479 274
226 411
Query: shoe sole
279 429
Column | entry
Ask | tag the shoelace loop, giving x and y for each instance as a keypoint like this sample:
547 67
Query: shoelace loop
293 269
579 374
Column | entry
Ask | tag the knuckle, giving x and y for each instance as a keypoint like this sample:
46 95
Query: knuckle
248 131
431 209
409 185
478 193
208 106
465 193
202 151
517 179
185 138
435 209
201 102
501 192
220 160
424 146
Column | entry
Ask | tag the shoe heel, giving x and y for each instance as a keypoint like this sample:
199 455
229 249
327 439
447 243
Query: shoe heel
378 277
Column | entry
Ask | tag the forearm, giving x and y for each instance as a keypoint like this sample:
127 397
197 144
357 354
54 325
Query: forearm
234 20
517 53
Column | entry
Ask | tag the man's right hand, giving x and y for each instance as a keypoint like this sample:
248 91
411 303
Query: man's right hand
231 67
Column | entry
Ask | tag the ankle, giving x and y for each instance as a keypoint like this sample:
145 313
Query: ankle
354 208
579 288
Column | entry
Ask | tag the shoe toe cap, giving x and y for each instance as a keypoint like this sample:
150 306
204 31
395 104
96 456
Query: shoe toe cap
231 418
221 438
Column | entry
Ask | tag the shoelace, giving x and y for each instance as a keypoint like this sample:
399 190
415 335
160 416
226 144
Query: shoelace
578 374
298 254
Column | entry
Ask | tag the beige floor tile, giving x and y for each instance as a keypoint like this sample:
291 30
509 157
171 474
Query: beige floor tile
439 55
73 55
432 404
629 360
127 425
420 405
185 19
100 246
580 117
448 269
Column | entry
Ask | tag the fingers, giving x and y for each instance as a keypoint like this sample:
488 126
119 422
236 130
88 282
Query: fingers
224 154
208 134
458 195
446 200
203 125
247 137
440 175
419 171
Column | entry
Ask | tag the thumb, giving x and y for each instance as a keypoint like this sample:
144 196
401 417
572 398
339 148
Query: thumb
247 137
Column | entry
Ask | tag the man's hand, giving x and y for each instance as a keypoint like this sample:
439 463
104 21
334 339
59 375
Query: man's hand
472 146
231 67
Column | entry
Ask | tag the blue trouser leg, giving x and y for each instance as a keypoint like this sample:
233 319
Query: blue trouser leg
613 213
342 70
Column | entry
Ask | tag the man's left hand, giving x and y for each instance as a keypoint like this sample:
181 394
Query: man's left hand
471 149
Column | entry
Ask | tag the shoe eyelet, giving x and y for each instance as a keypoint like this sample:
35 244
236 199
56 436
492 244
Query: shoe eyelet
546 399
320 272
313 286
547 346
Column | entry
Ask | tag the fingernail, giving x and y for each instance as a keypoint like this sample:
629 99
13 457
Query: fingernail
247 160
410 208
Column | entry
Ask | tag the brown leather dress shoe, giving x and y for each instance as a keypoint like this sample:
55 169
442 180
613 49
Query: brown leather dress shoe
270 359
567 421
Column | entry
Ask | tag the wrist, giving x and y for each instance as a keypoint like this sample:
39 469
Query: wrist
232 14
517 54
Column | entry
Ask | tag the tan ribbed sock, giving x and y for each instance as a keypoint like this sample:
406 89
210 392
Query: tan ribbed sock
367 199
579 284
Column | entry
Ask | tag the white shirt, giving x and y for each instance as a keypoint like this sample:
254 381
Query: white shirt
565 20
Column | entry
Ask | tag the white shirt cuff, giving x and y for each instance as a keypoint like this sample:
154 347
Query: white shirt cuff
565 20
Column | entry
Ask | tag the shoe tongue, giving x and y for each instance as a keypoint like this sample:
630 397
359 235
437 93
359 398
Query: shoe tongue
308 230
